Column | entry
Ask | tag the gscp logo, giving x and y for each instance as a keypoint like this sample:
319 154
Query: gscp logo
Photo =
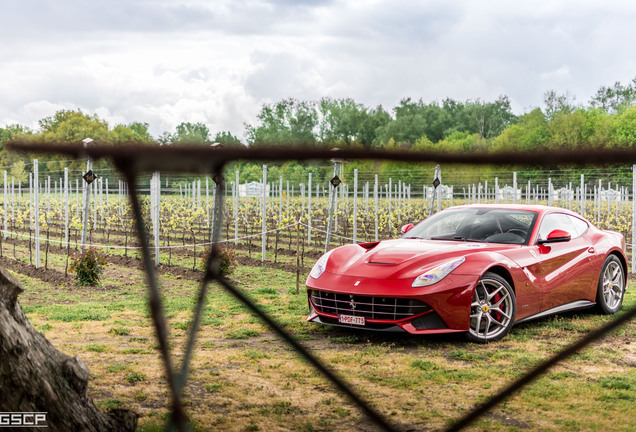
22 419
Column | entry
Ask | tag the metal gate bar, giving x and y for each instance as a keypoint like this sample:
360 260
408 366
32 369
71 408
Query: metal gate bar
132 159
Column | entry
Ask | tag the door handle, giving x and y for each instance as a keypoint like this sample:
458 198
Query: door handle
591 249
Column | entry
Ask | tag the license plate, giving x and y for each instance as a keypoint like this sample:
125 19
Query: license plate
353 320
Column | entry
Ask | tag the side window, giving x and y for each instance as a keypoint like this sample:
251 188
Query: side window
580 226
556 221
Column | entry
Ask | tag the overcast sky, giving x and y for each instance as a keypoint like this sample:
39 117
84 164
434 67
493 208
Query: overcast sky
164 62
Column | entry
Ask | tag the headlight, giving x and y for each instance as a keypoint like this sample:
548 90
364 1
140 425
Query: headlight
320 266
437 274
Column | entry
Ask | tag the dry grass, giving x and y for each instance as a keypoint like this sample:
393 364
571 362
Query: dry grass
244 379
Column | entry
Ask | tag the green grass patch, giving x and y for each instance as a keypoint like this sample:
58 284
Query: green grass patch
120 331
242 333
96 348
135 377
116 367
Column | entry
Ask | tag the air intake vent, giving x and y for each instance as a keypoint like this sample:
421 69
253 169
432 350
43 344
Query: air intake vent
381 308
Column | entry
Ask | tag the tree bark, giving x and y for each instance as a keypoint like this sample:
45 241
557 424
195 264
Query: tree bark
36 377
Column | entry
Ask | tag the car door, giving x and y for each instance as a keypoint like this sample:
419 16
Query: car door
565 269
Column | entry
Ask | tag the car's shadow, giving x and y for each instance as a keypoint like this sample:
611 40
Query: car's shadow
565 321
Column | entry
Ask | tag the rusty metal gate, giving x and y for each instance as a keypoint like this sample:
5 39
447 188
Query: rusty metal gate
131 160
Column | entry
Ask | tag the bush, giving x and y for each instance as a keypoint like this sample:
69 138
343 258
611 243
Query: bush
88 266
227 260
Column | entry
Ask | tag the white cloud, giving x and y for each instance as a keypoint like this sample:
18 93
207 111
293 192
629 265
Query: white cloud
560 74
165 62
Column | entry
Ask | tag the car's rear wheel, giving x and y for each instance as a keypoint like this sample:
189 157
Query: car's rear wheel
611 286
493 309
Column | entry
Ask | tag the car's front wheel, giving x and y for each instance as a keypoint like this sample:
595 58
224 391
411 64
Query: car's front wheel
493 309
611 286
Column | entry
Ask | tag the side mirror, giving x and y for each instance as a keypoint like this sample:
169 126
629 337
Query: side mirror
556 236
406 228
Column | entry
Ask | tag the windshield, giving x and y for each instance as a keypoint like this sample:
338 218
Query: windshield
477 224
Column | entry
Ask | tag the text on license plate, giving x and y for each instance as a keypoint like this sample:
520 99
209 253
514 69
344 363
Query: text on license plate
348 319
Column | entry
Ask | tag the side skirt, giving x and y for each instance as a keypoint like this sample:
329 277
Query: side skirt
579 304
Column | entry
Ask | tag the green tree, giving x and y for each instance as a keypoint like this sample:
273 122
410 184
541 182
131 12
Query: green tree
414 120
530 132
487 119
611 99
288 122
134 133
566 130
227 139
342 121
191 134
376 119
624 128
69 126
558 103
15 162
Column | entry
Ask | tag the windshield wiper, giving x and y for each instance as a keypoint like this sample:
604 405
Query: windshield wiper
458 238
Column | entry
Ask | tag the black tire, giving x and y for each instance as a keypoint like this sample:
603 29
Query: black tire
493 309
611 286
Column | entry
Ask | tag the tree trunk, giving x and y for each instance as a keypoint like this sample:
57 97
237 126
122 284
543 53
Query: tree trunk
37 378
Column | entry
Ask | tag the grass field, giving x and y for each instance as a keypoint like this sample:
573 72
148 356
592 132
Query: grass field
244 379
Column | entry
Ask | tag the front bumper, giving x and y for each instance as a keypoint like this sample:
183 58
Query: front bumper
440 308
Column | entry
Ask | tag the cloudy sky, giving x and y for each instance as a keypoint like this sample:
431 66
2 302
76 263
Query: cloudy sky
164 62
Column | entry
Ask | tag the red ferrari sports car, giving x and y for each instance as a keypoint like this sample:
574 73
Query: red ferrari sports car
477 269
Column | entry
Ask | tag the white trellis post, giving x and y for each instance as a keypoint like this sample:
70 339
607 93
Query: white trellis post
375 201
87 194
280 198
36 211
5 200
332 203
388 194
438 174
582 195
355 206
496 190
66 207
309 210
207 200
264 204
155 190
485 191
236 203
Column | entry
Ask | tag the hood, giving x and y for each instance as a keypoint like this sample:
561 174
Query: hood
402 258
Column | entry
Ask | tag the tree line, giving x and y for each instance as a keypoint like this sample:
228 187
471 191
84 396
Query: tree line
607 120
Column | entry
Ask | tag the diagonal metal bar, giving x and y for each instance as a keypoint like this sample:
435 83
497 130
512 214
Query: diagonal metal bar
311 359
535 373
212 273
203 290
198 310
132 159
182 378
154 301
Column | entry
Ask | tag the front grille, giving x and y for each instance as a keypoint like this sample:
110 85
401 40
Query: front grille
381 308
